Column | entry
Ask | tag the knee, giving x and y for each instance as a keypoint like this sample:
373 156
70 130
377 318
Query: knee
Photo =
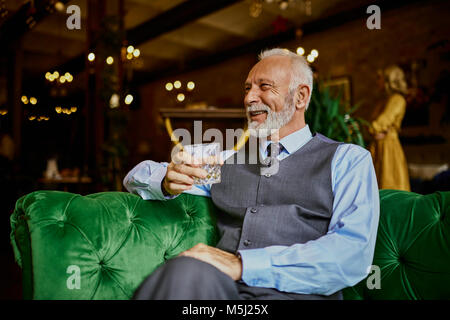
187 278
178 278
189 269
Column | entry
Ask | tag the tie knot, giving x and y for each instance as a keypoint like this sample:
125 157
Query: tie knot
273 150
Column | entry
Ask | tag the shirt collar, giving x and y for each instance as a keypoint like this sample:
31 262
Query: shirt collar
291 143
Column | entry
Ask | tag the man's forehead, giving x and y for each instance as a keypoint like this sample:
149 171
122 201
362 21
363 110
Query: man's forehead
271 68
259 79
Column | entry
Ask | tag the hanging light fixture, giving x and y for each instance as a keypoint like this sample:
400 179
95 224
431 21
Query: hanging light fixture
33 101
110 60
169 86
182 90
256 6
129 99
63 78
91 57
181 97
191 85
30 21
132 52
283 5
3 11
59 6
114 101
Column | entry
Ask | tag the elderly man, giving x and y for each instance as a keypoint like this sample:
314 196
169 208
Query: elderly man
305 232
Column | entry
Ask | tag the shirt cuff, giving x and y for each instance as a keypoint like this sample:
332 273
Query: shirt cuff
155 184
257 268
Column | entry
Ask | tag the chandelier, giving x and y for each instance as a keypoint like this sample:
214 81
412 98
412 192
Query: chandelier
256 6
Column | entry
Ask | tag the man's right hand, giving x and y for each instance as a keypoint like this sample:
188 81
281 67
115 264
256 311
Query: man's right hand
181 173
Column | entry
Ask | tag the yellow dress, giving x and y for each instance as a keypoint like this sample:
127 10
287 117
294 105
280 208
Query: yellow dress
388 157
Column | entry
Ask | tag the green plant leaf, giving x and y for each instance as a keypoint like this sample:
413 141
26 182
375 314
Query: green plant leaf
327 115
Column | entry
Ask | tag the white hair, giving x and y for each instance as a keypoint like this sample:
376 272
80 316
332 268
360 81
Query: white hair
301 71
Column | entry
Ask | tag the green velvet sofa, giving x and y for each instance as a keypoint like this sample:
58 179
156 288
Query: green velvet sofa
102 246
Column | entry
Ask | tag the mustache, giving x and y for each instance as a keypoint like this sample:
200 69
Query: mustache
258 107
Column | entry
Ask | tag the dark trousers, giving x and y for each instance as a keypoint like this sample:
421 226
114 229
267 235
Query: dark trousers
185 278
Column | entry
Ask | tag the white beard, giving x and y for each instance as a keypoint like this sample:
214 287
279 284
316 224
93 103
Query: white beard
274 121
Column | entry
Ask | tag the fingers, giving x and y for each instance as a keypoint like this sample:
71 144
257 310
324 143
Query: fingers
179 178
177 188
199 251
226 262
187 170
186 164
183 169
186 158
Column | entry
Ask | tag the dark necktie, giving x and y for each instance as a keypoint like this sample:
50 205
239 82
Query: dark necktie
273 150
271 163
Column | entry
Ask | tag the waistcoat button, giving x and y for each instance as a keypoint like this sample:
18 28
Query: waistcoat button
254 210
268 175
247 243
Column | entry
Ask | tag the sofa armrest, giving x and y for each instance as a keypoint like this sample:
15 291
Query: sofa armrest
102 246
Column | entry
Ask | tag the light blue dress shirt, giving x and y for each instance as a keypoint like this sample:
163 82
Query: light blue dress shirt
339 259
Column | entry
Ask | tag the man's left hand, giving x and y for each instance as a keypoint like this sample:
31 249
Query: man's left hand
224 261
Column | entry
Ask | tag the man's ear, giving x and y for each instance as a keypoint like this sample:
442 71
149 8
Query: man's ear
301 96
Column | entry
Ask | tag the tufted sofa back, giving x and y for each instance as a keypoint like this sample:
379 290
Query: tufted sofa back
102 246
412 251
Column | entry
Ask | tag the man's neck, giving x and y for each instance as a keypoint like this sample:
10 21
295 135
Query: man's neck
286 130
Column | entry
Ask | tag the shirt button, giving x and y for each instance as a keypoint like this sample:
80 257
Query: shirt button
254 210
247 243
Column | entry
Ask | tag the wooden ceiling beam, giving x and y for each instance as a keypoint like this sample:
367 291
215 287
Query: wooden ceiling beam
16 25
175 18
256 46
172 19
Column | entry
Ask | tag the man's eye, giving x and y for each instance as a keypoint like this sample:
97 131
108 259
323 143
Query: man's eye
265 85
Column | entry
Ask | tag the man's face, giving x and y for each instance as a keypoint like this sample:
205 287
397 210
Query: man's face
268 102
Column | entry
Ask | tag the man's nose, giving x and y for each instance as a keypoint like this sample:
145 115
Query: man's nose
251 97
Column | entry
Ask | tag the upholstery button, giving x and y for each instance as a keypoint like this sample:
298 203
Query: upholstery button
254 210
247 243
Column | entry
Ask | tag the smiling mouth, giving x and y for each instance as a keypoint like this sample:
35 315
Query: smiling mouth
257 113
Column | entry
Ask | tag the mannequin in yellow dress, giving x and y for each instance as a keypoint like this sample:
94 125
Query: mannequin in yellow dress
387 153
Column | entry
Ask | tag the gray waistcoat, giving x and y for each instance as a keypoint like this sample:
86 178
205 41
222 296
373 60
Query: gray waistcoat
293 206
